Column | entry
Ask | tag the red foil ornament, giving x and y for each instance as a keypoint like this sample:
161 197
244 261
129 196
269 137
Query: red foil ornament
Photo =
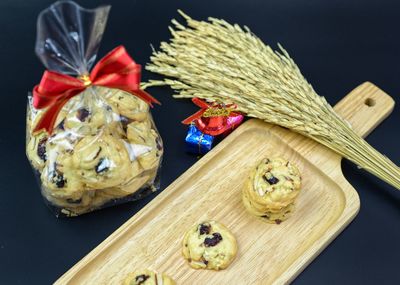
213 118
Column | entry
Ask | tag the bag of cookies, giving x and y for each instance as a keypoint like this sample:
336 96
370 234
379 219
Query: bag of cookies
91 139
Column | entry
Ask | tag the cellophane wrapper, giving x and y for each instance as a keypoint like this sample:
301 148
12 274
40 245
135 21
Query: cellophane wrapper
105 148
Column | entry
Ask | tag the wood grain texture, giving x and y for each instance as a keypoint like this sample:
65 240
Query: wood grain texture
268 254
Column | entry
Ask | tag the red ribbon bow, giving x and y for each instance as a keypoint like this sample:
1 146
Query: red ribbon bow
212 119
116 70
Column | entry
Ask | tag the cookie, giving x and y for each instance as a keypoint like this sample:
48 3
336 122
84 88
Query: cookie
36 150
135 182
209 245
123 122
271 216
101 161
128 105
140 132
145 143
104 147
150 159
147 277
134 185
90 121
59 165
36 143
272 189
61 183
78 207
77 199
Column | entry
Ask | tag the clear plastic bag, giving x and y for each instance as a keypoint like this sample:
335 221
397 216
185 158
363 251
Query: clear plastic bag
105 148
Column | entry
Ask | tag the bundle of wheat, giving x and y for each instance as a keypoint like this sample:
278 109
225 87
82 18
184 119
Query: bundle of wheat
221 62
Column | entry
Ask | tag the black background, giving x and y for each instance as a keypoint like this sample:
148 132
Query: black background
337 44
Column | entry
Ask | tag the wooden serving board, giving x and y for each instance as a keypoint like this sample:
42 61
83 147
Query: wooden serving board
211 189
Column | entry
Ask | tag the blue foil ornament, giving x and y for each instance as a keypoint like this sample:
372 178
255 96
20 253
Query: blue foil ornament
198 142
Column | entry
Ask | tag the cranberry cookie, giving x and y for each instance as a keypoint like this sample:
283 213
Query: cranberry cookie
209 245
101 161
104 148
127 105
271 190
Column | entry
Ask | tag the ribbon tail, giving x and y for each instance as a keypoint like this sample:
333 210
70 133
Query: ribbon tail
202 104
235 114
145 97
49 118
193 117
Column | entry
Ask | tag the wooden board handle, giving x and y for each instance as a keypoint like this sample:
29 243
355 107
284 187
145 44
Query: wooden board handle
365 107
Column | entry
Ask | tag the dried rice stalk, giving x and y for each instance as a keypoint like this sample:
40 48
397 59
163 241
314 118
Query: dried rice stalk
221 62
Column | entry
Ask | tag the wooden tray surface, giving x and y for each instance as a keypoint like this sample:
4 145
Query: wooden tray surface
211 189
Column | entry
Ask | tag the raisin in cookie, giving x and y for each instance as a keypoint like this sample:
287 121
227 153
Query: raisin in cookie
271 190
209 245
147 277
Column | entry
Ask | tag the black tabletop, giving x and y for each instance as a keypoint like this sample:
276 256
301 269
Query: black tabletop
338 44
